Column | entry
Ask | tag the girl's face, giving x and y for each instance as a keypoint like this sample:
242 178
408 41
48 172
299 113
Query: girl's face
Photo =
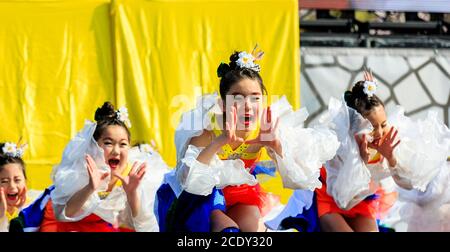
378 119
12 180
115 144
246 96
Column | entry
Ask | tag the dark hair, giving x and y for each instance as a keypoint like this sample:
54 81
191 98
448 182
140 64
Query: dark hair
107 116
6 159
231 73
360 101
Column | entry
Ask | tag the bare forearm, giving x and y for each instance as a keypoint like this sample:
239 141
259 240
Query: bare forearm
134 203
273 152
77 201
209 151
402 183
392 161
277 148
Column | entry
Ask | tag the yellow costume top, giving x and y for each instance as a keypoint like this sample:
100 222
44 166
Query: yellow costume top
240 152
104 194
375 156
16 212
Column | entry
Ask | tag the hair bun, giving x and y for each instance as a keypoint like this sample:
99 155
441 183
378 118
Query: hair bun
105 112
358 90
348 97
1 148
223 69
233 60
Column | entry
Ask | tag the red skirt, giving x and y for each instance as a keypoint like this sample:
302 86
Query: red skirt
250 195
49 223
91 223
370 208
243 194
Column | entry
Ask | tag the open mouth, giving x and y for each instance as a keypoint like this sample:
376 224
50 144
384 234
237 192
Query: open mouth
376 141
247 119
113 163
12 196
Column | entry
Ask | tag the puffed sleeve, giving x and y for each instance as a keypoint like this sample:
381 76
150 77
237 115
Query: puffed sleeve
423 150
71 174
305 150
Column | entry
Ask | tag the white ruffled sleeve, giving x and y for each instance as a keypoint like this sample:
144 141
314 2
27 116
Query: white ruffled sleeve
191 125
146 221
71 175
232 173
202 178
348 178
423 150
305 150
436 193
423 211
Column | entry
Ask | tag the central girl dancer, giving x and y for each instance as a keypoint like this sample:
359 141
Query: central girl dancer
214 187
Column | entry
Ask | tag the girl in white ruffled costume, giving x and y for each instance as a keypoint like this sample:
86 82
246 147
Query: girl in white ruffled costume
359 183
13 188
214 187
96 188
371 159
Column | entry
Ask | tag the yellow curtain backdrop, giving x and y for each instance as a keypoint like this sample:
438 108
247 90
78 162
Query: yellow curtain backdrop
167 53
62 59
56 67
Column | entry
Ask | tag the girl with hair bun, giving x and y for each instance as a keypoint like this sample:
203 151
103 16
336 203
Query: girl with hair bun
219 145
13 188
96 187
377 155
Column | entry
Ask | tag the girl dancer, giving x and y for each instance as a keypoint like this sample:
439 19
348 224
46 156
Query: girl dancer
96 188
13 188
219 145
359 183
375 152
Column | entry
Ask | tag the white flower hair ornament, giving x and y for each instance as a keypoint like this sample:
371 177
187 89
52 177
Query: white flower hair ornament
14 150
247 60
122 115
370 88
244 60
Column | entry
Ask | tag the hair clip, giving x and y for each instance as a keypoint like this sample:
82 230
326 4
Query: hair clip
14 150
370 87
122 115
